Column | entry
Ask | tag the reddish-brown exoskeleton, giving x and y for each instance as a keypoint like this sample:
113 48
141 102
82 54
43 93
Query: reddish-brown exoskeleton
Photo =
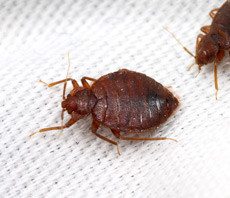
211 46
124 101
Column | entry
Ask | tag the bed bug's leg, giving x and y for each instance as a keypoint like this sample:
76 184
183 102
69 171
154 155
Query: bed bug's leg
216 78
74 82
199 37
85 83
119 136
95 126
206 29
66 125
213 12
220 56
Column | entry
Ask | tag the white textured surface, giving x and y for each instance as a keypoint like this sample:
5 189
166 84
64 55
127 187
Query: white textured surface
103 36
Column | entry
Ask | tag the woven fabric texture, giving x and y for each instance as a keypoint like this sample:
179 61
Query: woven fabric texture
103 36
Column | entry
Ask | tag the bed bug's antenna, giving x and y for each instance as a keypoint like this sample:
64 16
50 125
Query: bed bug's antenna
190 66
67 74
198 72
185 48
64 90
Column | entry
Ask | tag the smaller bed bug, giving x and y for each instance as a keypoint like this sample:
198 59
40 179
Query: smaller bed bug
124 101
211 46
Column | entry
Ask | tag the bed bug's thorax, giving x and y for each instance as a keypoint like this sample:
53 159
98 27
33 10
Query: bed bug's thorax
206 50
80 102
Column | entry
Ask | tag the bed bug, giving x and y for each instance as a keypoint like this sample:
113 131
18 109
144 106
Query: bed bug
123 101
211 46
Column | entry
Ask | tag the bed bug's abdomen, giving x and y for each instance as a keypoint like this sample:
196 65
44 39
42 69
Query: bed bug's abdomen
222 18
161 106
131 101
220 28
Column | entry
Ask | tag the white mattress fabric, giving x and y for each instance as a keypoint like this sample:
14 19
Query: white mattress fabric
103 36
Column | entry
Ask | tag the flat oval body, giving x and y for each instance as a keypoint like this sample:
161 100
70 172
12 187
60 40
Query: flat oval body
131 101
221 26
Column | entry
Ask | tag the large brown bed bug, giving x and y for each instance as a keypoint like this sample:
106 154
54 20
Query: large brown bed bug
124 101
211 46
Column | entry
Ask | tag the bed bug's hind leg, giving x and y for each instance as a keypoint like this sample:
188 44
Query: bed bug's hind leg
119 136
206 29
94 128
213 12
85 83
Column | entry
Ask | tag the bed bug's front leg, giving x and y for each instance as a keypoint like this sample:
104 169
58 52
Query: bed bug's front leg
219 58
94 128
74 82
85 83
66 125
206 29
213 12
199 37
119 136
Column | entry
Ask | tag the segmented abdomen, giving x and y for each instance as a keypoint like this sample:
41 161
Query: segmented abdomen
131 101
221 24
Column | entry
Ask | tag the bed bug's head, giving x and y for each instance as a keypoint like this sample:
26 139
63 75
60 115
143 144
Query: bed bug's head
206 50
80 101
